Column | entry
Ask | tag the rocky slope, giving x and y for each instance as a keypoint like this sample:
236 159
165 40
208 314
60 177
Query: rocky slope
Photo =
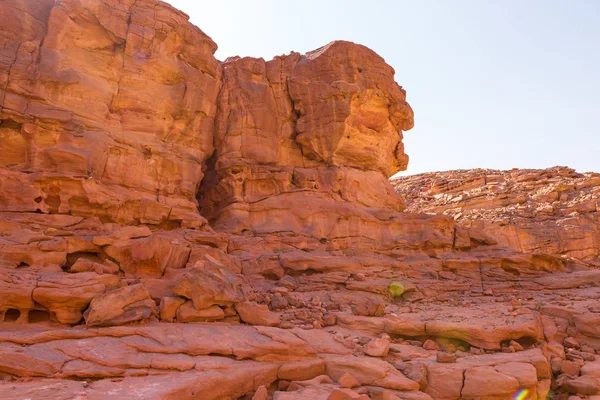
553 211
174 227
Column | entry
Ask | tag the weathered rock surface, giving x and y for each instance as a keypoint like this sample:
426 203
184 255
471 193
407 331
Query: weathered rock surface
552 211
305 143
175 227
120 306
102 106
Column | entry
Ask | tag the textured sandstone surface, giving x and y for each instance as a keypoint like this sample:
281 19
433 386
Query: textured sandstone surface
102 105
552 211
176 227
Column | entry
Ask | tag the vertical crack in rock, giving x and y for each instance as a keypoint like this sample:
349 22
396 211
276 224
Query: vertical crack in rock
210 179
464 379
123 48
14 60
454 239
295 116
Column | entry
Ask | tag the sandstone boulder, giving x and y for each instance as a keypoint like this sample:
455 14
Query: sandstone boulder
256 314
120 306
210 283
148 257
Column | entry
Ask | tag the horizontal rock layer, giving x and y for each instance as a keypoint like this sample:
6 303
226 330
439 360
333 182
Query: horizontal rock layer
175 227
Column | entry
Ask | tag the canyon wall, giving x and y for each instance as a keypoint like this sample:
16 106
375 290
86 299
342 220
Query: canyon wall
107 110
553 211
176 227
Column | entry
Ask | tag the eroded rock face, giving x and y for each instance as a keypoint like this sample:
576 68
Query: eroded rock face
120 306
174 227
552 211
303 138
107 110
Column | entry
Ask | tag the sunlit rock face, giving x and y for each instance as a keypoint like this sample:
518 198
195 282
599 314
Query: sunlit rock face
107 110
351 111
175 227
113 109
306 134
550 211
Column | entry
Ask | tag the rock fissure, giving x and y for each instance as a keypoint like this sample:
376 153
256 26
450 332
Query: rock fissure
14 60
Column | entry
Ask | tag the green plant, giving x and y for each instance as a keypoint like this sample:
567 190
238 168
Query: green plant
396 289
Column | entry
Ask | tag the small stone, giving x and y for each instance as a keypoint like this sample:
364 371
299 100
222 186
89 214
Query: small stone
288 282
187 313
278 302
445 357
256 314
570 368
348 381
363 340
343 394
417 371
573 354
449 348
431 345
379 347
120 306
168 307
281 290
508 349
587 349
556 365
571 342
329 319
261 393
383 394
360 276
583 385
574 357
516 345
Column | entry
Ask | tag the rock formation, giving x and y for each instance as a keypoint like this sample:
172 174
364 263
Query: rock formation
553 211
174 227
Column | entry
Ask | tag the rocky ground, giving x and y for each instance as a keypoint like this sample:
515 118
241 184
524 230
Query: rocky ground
175 227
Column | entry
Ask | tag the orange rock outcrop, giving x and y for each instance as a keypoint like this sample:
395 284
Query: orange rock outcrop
553 211
102 107
175 227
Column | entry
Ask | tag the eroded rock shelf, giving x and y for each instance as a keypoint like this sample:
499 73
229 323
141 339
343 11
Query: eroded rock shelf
176 227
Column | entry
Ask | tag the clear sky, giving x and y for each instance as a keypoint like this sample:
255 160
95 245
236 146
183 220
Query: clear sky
494 83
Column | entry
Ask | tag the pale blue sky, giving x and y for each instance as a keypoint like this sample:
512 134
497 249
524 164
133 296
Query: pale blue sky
494 84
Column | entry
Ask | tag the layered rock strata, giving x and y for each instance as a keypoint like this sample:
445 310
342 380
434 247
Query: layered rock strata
102 105
552 211
174 227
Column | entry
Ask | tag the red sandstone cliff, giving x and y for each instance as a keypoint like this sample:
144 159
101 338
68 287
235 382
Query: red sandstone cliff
173 227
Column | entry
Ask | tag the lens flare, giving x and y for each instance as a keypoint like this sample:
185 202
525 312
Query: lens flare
523 394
